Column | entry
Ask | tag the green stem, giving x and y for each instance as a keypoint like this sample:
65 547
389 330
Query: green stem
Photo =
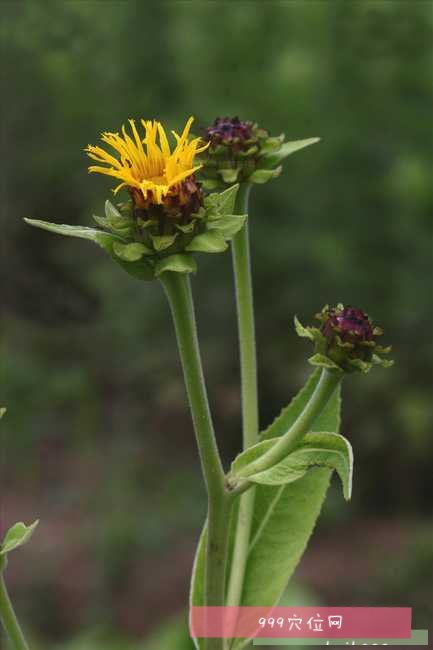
9 619
328 383
178 289
245 310
250 415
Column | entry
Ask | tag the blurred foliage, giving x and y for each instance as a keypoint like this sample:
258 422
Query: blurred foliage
97 413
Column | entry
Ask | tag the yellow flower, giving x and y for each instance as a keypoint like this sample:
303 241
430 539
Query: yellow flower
153 169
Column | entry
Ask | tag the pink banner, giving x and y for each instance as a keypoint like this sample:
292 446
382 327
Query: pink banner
301 622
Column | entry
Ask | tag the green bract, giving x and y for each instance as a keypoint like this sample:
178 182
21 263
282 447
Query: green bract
137 244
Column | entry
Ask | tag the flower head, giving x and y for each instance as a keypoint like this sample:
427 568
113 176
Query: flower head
346 340
229 131
167 217
148 166
240 150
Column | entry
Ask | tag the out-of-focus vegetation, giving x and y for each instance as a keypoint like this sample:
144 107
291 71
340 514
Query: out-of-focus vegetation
98 440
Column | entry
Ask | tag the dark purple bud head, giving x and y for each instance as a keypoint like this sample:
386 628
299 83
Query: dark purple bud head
346 340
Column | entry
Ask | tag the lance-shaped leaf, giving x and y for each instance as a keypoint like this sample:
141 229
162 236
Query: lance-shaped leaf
274 158
329 450
103 239
284 517
16 536
138 269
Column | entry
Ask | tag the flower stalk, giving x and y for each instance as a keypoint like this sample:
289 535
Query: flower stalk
249 390
178 290
8 616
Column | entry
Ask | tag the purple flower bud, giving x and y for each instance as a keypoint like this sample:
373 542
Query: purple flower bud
352 325
346 340
229 130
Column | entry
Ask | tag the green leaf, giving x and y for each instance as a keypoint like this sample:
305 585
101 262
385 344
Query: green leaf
2 412
249 455
284 519
130 252
16 536
228 225
284 516
229 175
103 239
176 263
141 270
208 242
264 175
317 449
270 160
328 420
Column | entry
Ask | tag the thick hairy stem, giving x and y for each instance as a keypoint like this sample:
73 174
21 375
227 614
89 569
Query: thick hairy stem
178 289
250 415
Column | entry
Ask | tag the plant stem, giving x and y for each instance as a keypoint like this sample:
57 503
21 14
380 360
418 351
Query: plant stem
178 289
250 415
328 382
9 619
245 310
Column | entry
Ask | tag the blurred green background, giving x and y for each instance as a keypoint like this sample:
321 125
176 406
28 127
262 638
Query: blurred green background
98 441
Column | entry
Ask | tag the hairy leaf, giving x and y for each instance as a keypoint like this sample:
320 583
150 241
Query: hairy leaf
315 450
